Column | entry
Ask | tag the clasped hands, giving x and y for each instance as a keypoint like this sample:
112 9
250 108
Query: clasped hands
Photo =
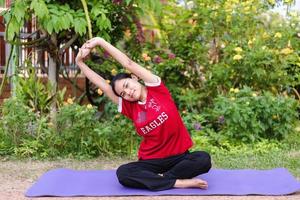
86 48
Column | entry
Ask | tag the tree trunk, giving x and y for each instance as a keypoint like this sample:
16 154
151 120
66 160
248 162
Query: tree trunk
14 65
53 81
52 77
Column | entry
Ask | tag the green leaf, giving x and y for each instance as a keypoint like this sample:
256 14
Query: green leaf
40 8
12 29
95 12
103 22
65 23
55 11
19 10
65 8
80 26
49 27
79 13
128 2
56 23
70 18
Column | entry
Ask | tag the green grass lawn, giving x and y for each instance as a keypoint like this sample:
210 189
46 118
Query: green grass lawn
287 159
288 156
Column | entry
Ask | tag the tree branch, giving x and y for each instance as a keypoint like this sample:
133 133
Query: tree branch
28 35
33 42
68 44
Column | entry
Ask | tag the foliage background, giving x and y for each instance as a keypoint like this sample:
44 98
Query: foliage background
232 67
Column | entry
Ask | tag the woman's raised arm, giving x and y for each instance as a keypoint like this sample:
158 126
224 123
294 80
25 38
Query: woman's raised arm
93 76
123 59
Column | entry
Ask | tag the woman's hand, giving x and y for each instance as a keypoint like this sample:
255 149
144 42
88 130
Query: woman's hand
84 51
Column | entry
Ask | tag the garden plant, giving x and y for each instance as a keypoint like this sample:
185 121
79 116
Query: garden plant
233 68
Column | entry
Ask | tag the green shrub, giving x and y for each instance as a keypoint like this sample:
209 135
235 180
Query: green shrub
228 151
23 133
76 130
248 116
80 132
6 147
218 144
120 135
213 53
18 120
226 147
35 94
36 145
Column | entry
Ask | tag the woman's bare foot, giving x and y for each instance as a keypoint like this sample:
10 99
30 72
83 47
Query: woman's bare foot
191 183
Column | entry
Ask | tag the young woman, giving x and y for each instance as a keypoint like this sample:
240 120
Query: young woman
164 158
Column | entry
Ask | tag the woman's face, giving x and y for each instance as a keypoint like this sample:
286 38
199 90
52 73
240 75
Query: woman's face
129 89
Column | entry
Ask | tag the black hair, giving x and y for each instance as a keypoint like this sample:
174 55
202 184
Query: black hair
116 78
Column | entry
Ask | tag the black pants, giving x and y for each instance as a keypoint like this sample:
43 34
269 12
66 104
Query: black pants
161 174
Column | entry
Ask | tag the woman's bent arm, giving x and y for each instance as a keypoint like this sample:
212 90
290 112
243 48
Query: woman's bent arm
94 77
124 60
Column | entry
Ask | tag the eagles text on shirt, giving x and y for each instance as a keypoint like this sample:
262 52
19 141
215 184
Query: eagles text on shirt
155 123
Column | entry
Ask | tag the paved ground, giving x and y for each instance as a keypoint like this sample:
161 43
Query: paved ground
17 176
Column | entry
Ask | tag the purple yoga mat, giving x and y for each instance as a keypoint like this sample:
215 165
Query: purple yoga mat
66 182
